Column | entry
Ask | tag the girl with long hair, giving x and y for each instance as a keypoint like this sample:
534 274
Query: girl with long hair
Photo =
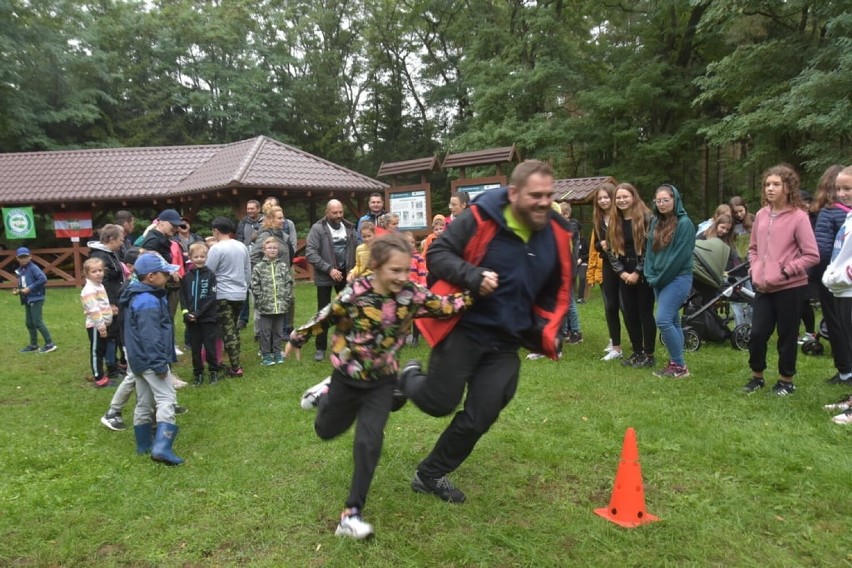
668 270
626 237
604 209
722 228
781 249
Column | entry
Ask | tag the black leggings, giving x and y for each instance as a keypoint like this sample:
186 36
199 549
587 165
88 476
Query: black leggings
638 300
609 292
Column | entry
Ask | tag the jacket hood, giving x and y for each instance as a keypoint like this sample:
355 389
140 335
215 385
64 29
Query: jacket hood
98 245
136 288
493 202
679 210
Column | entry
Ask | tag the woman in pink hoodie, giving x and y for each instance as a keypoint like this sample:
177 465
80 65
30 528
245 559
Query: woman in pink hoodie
781 249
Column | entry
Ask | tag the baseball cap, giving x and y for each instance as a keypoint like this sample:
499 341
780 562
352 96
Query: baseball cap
152 262
23 251
170 216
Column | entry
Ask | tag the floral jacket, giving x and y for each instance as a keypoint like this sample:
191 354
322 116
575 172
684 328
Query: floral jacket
371 327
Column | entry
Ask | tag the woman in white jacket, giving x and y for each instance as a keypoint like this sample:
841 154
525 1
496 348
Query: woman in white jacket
838 279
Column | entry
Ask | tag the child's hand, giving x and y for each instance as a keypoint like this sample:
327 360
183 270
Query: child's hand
114 310
288 349
102 332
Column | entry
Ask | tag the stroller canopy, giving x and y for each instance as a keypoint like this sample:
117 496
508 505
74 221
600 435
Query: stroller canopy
711 258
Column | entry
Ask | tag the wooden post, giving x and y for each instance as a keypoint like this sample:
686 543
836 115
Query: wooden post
78 264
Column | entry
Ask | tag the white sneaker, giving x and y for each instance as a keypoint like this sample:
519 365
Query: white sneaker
844 403
608 347
178 384
178 351
310 398
534 356
354 526
612 355
807 337
843 418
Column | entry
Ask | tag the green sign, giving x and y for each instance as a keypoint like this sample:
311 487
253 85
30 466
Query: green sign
20 223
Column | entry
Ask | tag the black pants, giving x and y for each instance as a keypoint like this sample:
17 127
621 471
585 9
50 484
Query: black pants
843 308
324 299
841 350
97 352
491 377
638 301
611 301
782 309
370 405
203 335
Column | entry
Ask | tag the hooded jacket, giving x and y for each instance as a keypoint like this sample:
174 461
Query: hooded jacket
32 277
838 274
272 286
149 335
663 266
113 272
781 249
528 306
198 295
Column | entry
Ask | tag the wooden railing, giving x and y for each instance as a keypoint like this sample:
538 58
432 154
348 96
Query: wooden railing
63 266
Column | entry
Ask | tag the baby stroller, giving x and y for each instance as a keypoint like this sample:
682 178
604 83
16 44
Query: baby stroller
813 346
713 289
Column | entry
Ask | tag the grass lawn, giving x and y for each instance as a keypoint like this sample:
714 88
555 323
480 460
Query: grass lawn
738 480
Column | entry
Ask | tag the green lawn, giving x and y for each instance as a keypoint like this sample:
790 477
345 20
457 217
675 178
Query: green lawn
738 480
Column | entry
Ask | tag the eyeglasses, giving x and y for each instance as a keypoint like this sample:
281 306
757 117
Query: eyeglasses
663 201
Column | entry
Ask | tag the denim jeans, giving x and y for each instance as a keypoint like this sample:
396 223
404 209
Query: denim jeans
572 320
670 298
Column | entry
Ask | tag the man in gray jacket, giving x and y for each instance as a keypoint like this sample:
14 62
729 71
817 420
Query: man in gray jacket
331 251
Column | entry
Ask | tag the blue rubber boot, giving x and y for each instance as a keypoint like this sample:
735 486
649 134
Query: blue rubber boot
162 450
144 438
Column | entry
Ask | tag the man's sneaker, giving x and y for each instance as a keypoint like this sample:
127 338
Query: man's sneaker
534 356
753 385
783 388
844 403
672 371
574 338
440 487
104 382
838 380
319 355
844 418
353 526
113 422
267 361
311 397
612 355
48 348
30 349
180 409
807 337
234 372
633 360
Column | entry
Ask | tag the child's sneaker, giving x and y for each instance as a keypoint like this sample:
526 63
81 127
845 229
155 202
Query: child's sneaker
672 371
234 372
310 398
574 338
534 356
353 526
30 349
807 337
844 418
267 361
113 421
783 388
178 384
612 355
104 382
278 358
844 403
608 347
50 347
180 409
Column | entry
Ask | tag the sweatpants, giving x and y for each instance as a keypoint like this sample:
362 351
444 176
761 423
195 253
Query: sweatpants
97 352
844 315
203 335
369 404
491 378
155 396
781 310
271 330
841 350
638 301
35 322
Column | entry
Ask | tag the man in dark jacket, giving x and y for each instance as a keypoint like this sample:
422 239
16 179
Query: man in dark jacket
512 249
330 249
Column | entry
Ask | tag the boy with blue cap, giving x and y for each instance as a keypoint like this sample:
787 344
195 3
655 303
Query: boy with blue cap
30 288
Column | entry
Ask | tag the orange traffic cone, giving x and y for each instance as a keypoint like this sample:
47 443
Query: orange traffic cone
627 504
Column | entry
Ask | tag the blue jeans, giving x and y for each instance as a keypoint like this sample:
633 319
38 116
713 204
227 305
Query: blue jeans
572 320
670 298
35 323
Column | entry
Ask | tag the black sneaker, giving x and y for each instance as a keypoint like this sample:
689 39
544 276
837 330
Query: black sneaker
574 338
783 388
632 360
198 379
181 409
646 361
753 385
440 487
113 422
837 380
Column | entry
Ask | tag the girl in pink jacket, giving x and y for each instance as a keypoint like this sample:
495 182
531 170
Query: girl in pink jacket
781 249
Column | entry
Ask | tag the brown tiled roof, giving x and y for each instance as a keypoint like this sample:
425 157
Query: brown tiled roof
579 190
482 157
409 167
143 173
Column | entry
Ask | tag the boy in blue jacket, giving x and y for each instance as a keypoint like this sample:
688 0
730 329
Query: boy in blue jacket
149 337
200 313
31 281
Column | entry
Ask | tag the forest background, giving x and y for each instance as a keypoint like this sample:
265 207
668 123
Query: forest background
701 93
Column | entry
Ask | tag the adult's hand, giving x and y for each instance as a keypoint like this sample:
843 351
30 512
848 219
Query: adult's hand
335 274
489 283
